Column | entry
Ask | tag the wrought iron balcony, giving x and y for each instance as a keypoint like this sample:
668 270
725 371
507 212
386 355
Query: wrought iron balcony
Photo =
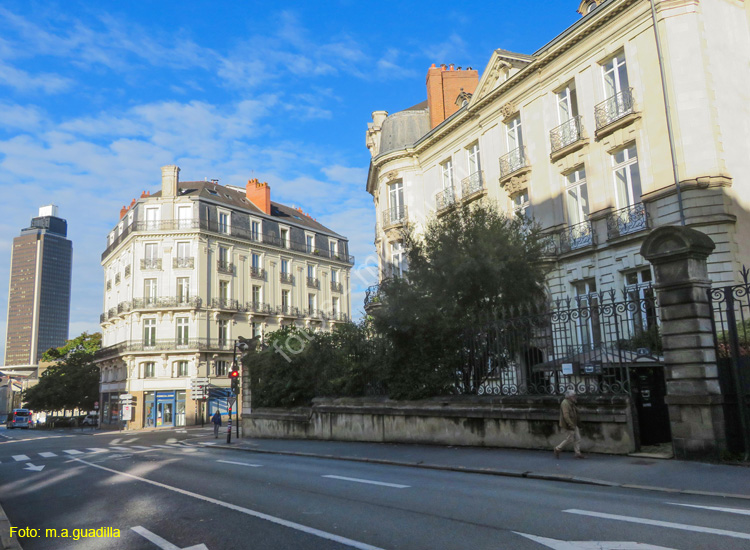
183 262
394 216
103 317
313 282
576 236
225 267
124 307
225 303
283 310
153 345
549 246
162 302
258 307
513 162
336 286
338 316
151 263
614 108
258 273
445 199
112 312
127 271
287 278
565 134
472 184
372 296
109 285
117 278
625 221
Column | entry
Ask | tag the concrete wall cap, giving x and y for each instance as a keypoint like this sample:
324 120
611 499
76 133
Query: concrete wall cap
673 240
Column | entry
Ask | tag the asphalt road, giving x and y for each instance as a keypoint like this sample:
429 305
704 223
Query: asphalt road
161 493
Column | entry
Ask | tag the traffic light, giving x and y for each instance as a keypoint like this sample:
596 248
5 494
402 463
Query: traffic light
234 376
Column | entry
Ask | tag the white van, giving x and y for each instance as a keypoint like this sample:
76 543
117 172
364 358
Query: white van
19 418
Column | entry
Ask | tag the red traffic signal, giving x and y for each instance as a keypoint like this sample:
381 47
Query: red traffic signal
234 374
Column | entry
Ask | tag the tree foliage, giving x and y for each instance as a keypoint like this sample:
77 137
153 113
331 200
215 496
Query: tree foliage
72 381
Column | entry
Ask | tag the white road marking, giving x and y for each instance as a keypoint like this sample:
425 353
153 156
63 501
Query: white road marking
120 448
171 440
164 446
47 455
139 447
207 443
369 482
115 441
31 467
20 458
260 515
714 508
644 521
98 450
73 452
161 543
128 441
591 544
240 463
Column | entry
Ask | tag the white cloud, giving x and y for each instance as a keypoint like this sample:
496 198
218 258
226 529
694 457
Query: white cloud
25 82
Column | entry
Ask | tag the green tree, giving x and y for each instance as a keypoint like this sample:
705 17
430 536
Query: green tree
72 382
471 265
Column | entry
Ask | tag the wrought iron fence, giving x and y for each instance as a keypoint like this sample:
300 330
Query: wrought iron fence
568 132
313 282
576 236
731 318
258 273
395 215
513 161
625 221
445 199
614 108
587 344
151 263
287 278
473 183
183 262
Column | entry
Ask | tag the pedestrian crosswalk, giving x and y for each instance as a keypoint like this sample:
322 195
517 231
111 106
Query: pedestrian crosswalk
66 453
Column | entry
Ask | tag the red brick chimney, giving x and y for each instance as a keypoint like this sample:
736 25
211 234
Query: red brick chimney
259 194
443 86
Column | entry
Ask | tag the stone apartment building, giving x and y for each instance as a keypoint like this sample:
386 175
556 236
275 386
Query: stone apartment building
577 137
190 268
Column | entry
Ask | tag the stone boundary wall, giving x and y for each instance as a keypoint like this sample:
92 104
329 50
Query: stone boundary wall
526 422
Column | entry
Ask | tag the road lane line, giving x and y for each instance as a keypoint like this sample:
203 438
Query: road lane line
73 452
207 443
260 515
164 446
20 458
369 482
115 441
127 441
140 447
47 455
240 463
715 508
98 450
121 448
644 521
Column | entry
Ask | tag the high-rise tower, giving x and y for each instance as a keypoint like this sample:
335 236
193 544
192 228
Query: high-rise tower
39 294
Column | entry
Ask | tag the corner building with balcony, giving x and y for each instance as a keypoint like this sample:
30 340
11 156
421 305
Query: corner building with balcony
190 268
576 136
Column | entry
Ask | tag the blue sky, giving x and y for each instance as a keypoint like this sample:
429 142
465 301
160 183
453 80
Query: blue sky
96 96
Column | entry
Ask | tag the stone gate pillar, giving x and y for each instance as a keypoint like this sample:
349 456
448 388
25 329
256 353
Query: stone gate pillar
694 398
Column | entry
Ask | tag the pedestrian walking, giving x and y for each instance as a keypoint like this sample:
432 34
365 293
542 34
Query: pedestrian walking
216 419
569 423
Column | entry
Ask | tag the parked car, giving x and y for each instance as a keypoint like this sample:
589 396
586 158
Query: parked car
91 420
19 418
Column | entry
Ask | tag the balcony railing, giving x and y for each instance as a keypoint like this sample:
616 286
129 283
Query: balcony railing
336 286
576 236
225 267
258 307
614 108
162 302
372 295
394 216
472 184
151 263
625 221
445 199
183 262
513 162
225 303
268 238
286 278
338 316
565 134
549 246
219 344
258 273
313 282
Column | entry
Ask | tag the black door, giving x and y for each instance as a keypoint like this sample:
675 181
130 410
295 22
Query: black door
649 389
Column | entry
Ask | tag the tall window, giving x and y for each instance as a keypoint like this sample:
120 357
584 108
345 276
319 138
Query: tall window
255 230
224 291
152 218
221 368
183 290
285 267
311 303
396 201
149 370
150 253
284 237
183 252
615 74
183 332
333 247
310 243
475 164
334 276
335 306
285 300
639 291
446 171
257 297
398 259
182 368
257 330
522 205
588 325
310 271
255 258
577 197
223 257
149 332
514 134
184 216
627 177
567 103
149 292
223 332
223 222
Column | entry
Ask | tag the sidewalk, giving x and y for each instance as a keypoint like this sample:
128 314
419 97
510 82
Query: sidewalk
673 476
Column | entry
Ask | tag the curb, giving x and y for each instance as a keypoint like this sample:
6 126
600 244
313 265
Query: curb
6 541
563 478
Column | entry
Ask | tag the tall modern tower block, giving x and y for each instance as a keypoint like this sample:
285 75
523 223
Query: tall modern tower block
39 294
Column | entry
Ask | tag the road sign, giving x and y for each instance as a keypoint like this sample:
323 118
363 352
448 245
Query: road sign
127 412
231 401
126 397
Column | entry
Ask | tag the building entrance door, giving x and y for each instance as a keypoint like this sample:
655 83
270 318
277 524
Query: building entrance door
164 409
649 389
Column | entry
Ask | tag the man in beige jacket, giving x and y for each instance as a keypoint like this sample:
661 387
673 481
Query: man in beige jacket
569 423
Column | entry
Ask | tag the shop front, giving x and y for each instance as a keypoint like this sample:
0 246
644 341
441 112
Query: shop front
163 409
110 408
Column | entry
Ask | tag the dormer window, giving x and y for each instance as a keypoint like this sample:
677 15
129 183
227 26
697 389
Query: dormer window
587 6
